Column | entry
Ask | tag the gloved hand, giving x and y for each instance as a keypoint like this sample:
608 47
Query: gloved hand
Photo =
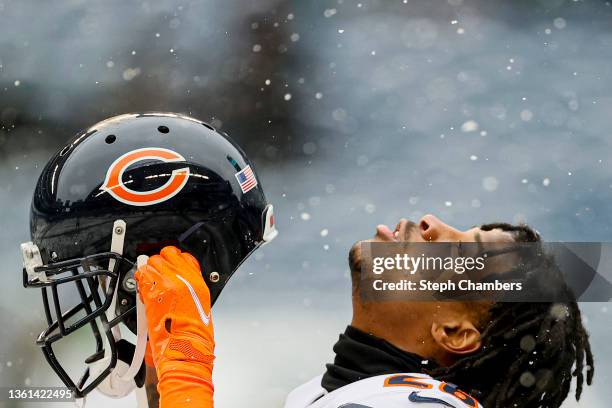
181 337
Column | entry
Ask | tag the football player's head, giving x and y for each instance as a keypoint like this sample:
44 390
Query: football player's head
125 187
511 354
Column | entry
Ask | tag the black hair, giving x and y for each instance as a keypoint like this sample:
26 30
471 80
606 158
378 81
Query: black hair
528 349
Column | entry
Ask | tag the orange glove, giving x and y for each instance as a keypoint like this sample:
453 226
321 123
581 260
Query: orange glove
177 304
148 358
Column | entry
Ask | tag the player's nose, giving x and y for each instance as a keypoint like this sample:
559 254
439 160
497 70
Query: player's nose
432 228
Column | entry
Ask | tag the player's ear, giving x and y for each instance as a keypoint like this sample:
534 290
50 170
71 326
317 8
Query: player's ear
456 336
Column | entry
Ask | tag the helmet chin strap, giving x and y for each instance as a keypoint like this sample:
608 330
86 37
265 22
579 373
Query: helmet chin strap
120 382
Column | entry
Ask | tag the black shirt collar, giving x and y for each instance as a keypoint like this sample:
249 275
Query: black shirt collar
361 355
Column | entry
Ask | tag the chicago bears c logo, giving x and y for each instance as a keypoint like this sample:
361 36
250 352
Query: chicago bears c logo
114 185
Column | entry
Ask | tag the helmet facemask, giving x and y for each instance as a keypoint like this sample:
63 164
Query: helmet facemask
92 282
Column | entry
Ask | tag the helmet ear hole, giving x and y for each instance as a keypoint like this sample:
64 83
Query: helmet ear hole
110 139
168 325
163 129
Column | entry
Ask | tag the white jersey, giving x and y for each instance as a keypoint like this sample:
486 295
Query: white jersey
383 391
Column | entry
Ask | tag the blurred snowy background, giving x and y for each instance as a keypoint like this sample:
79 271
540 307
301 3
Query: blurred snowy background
356 112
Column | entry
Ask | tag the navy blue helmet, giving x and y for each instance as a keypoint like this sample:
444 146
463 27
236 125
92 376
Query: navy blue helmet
125 187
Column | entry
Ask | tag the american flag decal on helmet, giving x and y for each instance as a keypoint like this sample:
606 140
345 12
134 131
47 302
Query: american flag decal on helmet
246 179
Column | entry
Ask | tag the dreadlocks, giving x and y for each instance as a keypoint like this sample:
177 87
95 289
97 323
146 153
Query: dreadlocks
535 344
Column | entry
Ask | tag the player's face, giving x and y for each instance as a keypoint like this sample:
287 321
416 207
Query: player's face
432 229
428 229
400 321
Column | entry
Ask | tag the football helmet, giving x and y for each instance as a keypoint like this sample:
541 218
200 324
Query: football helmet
124 188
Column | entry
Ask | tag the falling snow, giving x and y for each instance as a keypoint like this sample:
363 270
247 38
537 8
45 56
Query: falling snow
330 12
469 126
526 115
559 23
490 183
131 73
